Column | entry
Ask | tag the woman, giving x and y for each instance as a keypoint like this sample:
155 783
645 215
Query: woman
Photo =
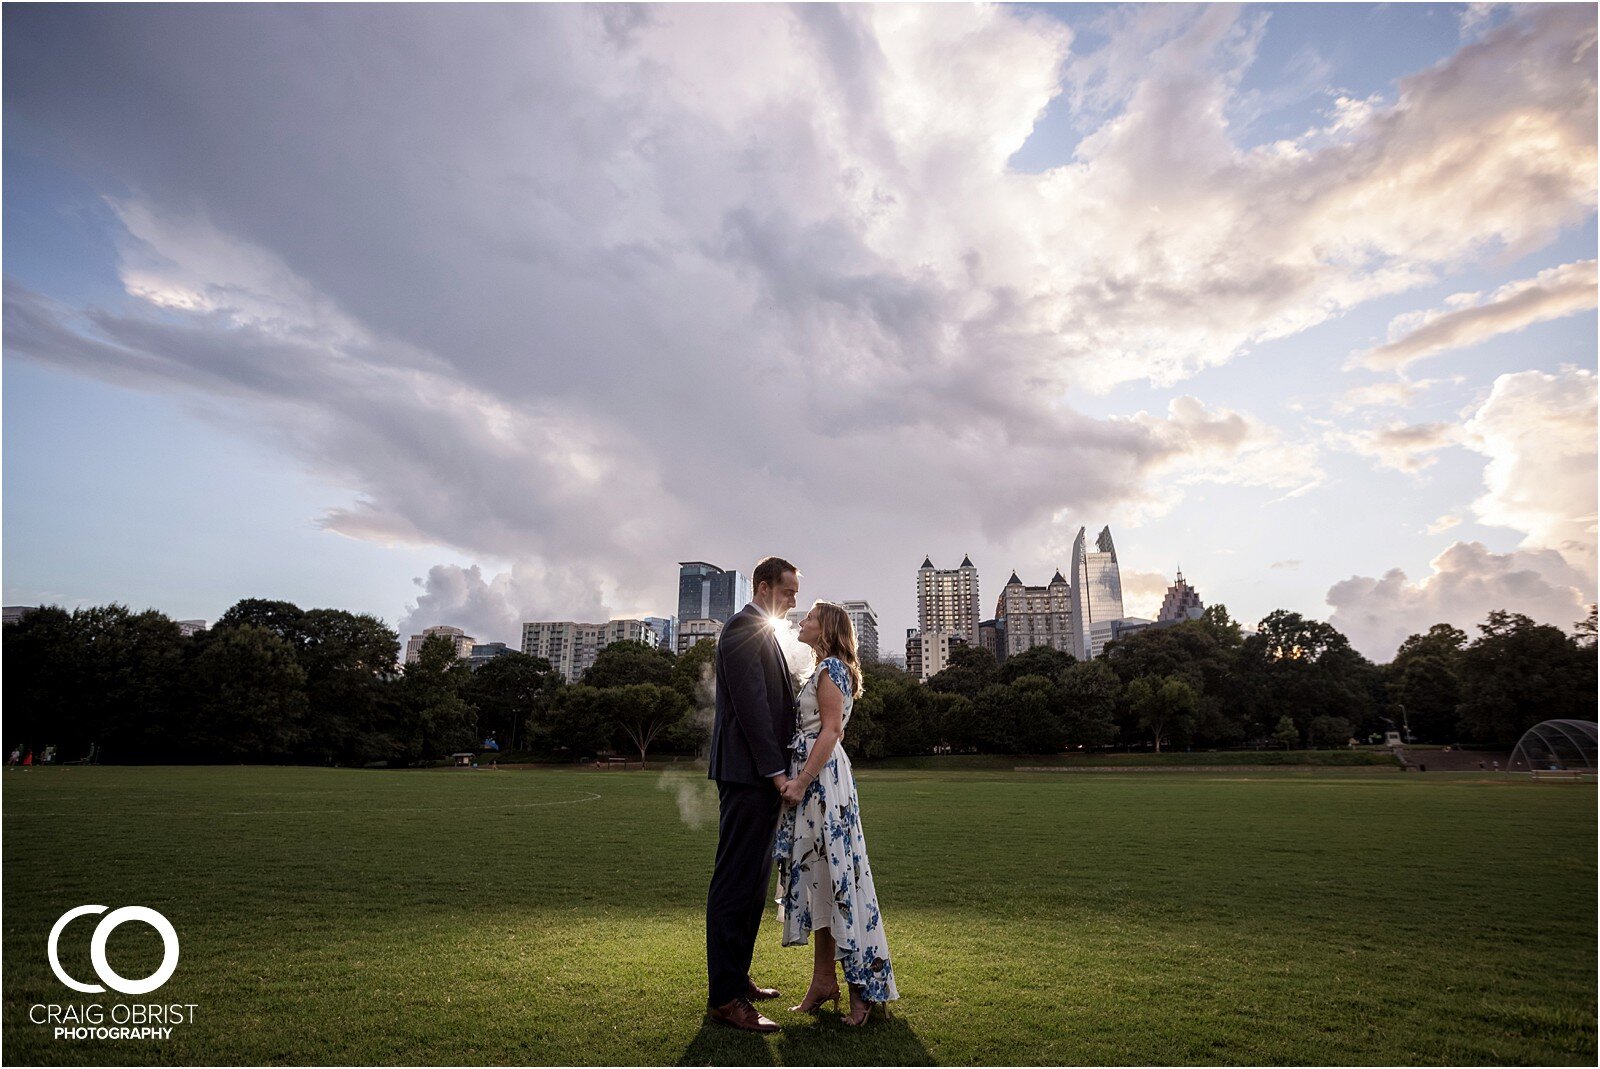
824 880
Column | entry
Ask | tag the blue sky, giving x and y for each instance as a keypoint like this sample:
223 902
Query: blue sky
476 316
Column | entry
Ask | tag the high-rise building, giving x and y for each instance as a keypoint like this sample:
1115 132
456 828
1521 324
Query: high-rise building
1096 592
866 625
572 647
484 652
662 625
934 654
1181 603
15 613
191 627
991 638
914 652
706 592
1036 615
463 642
948 600
691 632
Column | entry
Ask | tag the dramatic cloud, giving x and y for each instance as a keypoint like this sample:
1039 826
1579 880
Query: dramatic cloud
1142 592
1471 318
593 289
1538 431
1465 584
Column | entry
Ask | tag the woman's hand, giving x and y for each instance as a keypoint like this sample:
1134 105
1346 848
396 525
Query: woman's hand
795 789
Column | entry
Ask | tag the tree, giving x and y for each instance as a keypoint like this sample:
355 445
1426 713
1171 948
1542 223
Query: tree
42 678
901 709
283 618
434 719
694 673
623 663
507 691
347 658
1305 668
1286 732
969 670
1045 661
1163 705
576 723
128 682
250 697
642 711
1330 731
1088 695
1518 673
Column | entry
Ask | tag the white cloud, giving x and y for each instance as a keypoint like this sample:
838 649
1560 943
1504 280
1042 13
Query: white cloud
1472 318
1407 447
1143 592
1443 523
592 288
1466 583
1538 431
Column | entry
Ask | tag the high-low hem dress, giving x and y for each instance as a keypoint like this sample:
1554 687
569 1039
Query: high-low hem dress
824 878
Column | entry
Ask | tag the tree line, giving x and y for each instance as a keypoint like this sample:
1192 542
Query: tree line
270 682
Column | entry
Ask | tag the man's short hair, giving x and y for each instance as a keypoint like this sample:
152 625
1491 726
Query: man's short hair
770 571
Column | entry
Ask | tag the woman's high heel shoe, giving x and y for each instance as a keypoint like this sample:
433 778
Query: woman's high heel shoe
816 1004
866 1010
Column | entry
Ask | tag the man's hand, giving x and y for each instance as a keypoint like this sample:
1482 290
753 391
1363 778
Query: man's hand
780 781
793 791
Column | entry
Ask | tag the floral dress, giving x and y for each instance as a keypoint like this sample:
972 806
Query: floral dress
824 880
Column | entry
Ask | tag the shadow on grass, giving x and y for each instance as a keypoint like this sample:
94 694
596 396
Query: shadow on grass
823 1040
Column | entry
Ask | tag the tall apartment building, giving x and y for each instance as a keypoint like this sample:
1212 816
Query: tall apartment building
947 600
1036 615
690 632
914 652
462 641
572 647
862 618
1096 593
1181 603
934 652
662 626
706 592
866 624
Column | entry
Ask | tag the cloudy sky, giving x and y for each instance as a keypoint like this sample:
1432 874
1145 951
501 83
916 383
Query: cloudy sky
476 315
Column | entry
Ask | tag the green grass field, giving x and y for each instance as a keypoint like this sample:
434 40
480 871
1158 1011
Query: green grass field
448 916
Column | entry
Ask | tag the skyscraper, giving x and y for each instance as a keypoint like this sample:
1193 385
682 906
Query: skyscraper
706 592
572 647
866 625
1181 603
1036 615
948 600
1096 593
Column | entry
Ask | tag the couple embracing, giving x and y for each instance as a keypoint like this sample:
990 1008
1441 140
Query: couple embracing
786 794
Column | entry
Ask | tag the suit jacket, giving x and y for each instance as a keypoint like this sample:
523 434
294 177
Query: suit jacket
755 702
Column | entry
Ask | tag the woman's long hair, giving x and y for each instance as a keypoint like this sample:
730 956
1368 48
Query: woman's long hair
839 640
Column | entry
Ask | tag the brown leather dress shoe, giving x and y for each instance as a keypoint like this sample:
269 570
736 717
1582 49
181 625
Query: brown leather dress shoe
758 994
738 1013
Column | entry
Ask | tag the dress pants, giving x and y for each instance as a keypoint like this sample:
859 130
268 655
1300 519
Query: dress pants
747 827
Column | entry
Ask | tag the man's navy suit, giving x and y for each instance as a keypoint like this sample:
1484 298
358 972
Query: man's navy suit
749 744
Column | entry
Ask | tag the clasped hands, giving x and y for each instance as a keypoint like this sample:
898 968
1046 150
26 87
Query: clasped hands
793 789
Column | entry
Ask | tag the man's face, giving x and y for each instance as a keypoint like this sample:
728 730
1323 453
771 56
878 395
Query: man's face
780 598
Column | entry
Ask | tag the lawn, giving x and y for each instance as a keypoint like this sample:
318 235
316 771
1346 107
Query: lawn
336 916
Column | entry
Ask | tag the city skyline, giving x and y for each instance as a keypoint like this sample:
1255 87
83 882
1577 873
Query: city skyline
606 289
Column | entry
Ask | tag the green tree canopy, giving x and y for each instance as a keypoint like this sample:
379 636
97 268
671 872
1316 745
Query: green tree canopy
623 663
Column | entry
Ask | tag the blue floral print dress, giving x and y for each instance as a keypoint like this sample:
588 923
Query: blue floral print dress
824 879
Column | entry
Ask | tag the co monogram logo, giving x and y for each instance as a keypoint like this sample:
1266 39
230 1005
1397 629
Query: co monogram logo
97 949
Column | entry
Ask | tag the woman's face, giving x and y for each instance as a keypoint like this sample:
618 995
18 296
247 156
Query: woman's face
811 628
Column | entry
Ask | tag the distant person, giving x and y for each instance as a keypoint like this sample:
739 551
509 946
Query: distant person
754 717
28 760
824 896
16 755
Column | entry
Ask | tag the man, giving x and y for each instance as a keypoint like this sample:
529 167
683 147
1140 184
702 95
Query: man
750 762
